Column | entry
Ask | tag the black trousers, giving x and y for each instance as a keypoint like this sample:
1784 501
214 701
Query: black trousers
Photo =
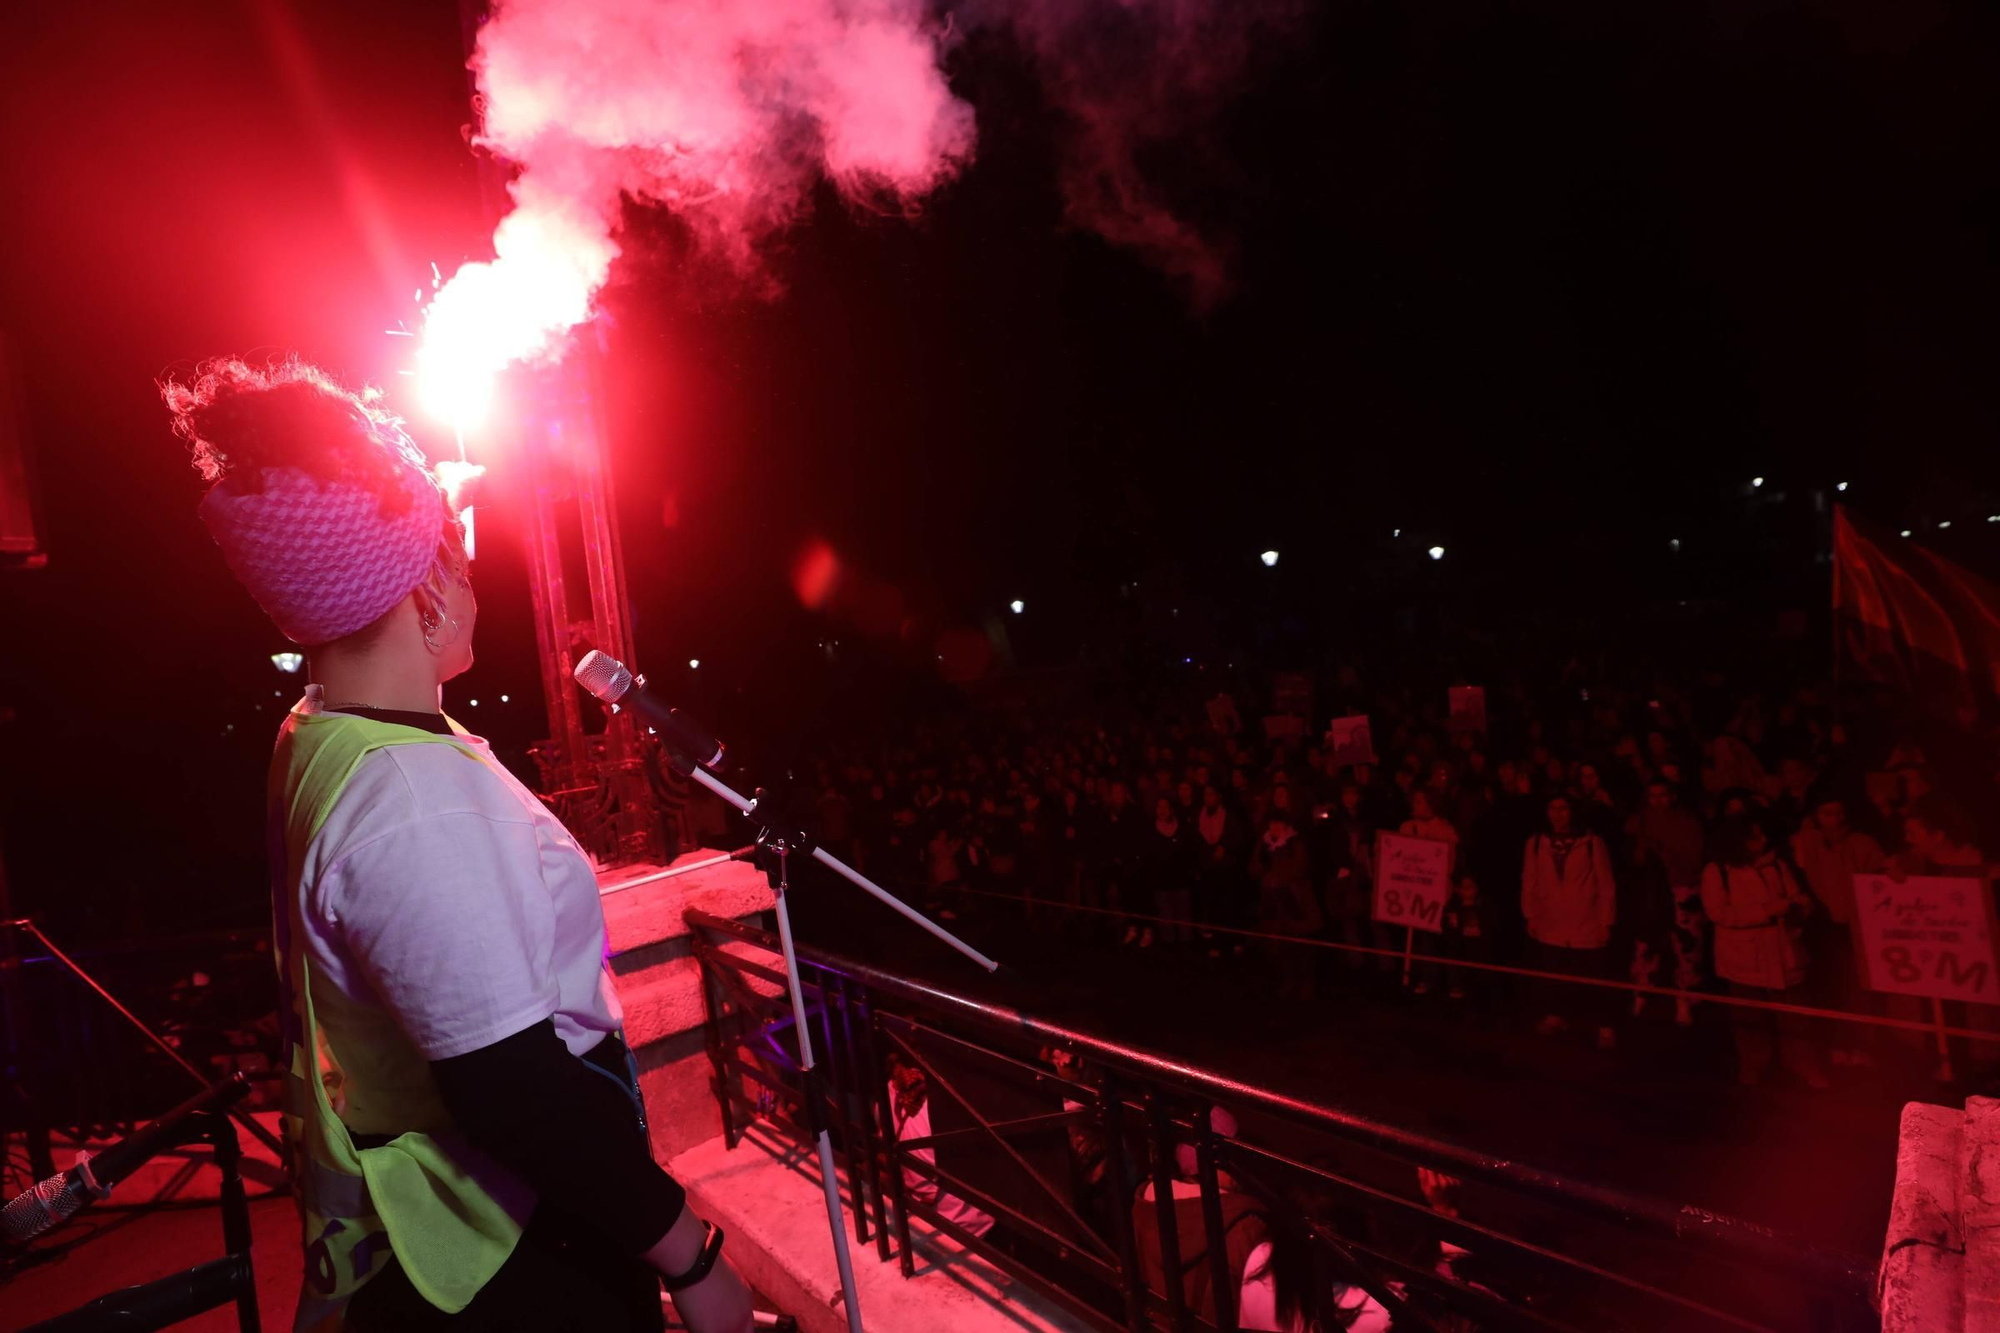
560 1278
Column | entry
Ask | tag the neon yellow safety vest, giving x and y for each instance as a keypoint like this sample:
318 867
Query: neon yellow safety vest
416 1196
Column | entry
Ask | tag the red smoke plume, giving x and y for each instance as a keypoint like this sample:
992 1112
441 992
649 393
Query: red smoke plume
728 111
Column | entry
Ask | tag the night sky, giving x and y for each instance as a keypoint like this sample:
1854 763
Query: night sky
1543 283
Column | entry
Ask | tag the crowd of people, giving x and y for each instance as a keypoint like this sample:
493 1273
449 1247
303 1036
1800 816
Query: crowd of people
1674 832
1662 827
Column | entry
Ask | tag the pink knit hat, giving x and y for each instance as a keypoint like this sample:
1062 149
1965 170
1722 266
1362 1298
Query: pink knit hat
326 558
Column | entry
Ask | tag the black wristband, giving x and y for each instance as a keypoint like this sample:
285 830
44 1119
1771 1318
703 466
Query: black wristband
711 1250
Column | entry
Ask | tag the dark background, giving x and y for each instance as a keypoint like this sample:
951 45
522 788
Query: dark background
1543 283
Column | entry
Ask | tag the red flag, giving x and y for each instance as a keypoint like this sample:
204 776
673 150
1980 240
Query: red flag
1909 618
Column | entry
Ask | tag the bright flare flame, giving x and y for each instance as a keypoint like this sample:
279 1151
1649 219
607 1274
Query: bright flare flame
548 261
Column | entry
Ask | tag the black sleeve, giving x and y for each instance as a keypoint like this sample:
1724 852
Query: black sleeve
565 1129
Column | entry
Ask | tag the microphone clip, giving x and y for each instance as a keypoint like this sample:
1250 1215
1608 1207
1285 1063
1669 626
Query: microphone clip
781 832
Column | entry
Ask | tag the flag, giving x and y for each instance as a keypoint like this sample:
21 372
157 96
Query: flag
1910 619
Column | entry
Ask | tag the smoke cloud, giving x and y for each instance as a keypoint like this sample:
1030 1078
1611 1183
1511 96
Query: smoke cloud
728 112
1136 82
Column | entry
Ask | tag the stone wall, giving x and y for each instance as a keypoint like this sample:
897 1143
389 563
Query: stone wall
1941 1257
659 985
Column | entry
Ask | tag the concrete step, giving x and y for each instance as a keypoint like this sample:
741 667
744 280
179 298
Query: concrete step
766 1194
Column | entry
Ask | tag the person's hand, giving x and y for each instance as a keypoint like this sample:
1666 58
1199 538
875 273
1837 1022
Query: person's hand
719 1303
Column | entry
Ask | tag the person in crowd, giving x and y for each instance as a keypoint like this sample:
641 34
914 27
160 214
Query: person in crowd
1070 833
1116 854
1829 854
1570 900
1667 843
944 862
1729 763
909 1108
1170 863
1759 912
1288 1287
1222 852
1938 840
1287 904
1426 822
1466 937
1243 1226
440 941
1353 900
1669 833
1035 834
1592 801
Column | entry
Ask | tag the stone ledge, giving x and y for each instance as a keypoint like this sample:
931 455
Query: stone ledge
766 1194
637 919
1940 1268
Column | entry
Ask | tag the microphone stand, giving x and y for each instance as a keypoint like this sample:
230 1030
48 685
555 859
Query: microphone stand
800 842
692 750
776 842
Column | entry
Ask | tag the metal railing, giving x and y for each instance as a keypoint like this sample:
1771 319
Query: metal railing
76 1058
1050 1132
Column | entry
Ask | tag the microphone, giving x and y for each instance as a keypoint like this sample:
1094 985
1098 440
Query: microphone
613 684
51 1203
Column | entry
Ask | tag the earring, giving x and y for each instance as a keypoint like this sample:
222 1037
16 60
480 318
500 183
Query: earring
431 624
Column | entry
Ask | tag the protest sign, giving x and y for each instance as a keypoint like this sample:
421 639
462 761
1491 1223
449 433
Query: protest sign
1284 727
1468 707
1927 935
1412 881
1348 742
1292 692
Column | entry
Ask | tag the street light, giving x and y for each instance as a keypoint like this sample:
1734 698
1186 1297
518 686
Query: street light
1017 606
1756 481
1840 485
1437 552
288 662
1270 559
694 664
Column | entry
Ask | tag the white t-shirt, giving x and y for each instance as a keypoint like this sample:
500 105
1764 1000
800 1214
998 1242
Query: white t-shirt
1257 1308
442 898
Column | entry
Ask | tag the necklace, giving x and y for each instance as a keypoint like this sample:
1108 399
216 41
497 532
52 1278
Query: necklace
370 708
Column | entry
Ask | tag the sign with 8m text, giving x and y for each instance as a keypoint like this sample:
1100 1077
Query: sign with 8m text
1412 881
1927 935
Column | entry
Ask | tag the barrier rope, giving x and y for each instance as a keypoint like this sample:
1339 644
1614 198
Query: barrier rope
1502 969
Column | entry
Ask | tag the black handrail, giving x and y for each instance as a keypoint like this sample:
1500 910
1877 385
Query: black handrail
1139 1083
1750 1240
76 969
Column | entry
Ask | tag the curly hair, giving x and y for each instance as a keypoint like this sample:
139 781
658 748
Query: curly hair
241 419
